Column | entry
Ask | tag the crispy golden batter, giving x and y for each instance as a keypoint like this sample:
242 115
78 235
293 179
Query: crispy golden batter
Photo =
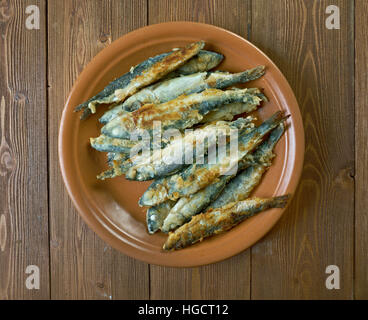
216 221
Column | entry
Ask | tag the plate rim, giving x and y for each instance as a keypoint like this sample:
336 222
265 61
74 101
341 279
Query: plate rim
107 235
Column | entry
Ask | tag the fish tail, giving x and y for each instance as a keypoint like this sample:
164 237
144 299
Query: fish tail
80 107
273 138
264 153
276 134
252 74
271 122
106 174
281 201
86 113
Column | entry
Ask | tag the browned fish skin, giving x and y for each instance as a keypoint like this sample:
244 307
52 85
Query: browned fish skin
161 69
203 61
216 221
180 113
142 75
242 185
198 176
108 144
169 89
153 168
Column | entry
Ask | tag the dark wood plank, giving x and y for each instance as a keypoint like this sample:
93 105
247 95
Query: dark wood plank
228 279
318 228
361 151
233 15
82 265
23 152
80 262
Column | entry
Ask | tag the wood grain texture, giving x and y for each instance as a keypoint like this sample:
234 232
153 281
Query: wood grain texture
82 265
361 150
233 15
228 279
23 152
318 228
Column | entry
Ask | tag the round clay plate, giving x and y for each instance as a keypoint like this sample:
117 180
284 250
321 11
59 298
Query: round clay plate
110 207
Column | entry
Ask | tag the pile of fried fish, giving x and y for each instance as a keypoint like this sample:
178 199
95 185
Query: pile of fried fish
189 201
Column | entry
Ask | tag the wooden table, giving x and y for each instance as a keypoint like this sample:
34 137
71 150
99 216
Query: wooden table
326 224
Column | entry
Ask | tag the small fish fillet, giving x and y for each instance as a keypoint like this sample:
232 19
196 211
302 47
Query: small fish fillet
198 176
180 113
243 184
142 75
217 221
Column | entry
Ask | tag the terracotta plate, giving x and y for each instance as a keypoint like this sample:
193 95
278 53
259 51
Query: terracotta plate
110 207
